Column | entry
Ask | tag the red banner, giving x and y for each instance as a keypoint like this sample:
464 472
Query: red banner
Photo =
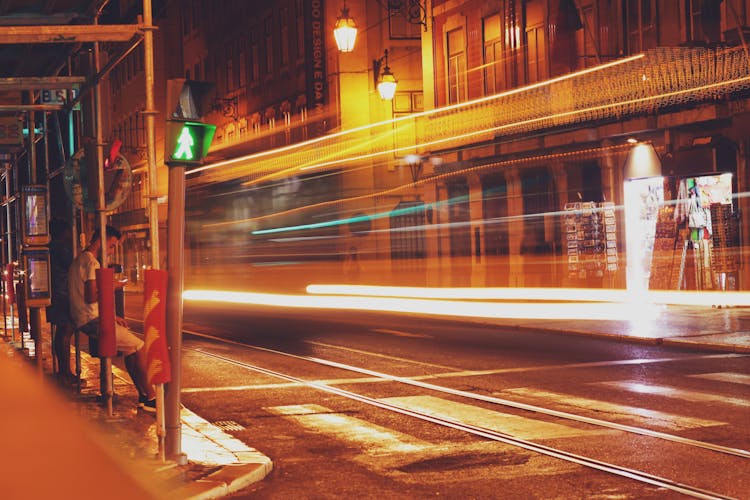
105 284
155 326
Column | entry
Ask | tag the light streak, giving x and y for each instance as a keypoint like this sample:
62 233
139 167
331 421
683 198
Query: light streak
317 140
581 153
687 298
445 308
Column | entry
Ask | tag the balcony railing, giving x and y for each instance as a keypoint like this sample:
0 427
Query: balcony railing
653 82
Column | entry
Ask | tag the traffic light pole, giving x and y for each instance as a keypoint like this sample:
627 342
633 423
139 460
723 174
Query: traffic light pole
175 280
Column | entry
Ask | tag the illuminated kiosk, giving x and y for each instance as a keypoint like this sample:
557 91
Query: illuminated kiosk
681 231
644 194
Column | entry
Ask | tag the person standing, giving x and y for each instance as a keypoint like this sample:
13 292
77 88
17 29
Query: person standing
85 313
58 312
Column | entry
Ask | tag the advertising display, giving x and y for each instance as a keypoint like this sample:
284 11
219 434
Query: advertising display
38 286
35 220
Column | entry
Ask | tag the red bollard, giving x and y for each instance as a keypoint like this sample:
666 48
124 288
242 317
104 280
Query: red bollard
105 283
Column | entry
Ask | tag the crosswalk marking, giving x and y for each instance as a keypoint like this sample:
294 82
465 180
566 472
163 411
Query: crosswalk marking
656 419
371 437
517 426
671 392
736 378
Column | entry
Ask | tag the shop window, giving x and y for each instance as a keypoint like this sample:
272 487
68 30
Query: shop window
456 66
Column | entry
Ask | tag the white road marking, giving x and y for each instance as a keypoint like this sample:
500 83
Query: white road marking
514 425
399 333
735 378
671 392
378 355
370 437
655 418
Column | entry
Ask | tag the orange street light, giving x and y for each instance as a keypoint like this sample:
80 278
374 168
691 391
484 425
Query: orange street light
345 31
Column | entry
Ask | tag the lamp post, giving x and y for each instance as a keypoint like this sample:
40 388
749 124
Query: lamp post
385 81
345 31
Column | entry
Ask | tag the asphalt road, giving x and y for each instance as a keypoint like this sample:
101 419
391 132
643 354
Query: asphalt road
267 376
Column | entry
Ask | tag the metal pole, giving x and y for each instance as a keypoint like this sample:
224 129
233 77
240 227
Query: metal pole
153 187
106 363
175 278
35 314
9 246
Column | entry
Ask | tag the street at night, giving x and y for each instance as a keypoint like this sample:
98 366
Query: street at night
286 249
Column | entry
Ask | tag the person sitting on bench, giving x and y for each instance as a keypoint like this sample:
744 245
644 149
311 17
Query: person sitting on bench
84 310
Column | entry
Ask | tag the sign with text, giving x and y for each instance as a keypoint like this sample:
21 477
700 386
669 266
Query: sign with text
11 131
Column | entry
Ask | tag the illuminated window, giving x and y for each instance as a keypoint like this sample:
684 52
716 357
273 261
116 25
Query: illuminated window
456 66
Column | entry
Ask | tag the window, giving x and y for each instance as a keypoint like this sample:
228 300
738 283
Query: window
641 21
456 66
229 68
284 25
269 45
703 20
242 64
254 63
494 80
300 30
536 42
587 37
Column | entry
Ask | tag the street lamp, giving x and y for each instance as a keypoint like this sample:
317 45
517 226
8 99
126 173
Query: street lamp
385 81
345 31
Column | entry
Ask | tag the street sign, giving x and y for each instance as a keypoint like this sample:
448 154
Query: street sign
59 96
11 131
187 142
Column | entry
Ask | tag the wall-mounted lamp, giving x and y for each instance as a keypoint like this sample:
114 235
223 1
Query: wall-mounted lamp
385 82
345 31
228 107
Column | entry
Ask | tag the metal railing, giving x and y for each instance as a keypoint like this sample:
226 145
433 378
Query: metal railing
657 80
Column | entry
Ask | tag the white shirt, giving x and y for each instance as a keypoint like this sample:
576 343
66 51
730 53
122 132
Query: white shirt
81 270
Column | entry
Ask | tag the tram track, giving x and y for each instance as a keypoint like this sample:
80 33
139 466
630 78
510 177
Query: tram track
479 431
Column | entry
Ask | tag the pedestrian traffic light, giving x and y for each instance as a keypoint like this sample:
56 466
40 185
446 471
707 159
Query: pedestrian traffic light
187 142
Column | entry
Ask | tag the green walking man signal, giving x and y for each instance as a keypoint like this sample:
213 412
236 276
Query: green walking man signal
187 142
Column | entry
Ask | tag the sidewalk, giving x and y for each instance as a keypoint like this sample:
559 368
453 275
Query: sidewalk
218 464
690 327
